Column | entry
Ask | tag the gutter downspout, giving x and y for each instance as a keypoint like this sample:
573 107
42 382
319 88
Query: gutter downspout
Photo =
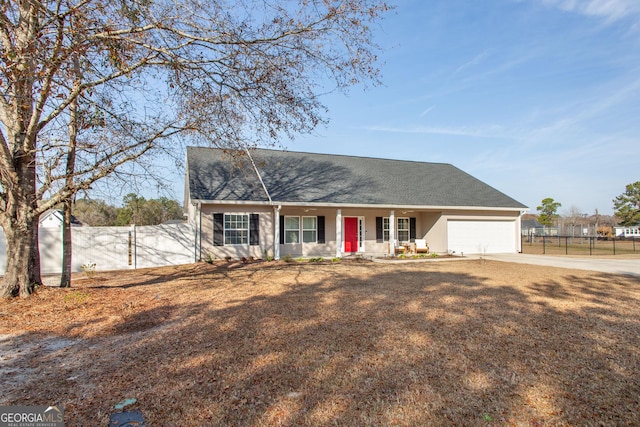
519 232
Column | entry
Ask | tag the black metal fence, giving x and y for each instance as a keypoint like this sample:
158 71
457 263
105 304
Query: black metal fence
580 245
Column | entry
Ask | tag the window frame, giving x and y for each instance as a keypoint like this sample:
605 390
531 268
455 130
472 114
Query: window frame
403 230
385 228
291 230
386 232
226 228
314 229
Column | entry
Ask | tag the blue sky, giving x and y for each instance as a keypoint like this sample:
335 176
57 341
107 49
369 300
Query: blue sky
537 98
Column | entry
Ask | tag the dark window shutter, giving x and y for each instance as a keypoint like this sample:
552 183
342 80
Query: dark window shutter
412 229
281 230
218 229
379 230
254 229
321 238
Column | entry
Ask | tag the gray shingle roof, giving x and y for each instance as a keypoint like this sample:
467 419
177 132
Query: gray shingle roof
216 174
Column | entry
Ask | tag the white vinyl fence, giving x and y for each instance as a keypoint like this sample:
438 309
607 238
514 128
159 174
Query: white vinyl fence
114 248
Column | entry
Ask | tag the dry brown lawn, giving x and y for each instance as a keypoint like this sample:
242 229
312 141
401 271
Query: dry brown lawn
468 342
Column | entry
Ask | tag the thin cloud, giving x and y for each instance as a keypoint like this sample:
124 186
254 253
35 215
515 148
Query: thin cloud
427 111
475 61
610 10
489 132
578 114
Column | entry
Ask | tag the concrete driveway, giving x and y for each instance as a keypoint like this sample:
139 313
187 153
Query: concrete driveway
615 266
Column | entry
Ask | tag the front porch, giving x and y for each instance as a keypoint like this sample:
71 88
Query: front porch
343 232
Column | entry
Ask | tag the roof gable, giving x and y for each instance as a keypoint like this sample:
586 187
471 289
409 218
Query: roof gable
58 216
222 175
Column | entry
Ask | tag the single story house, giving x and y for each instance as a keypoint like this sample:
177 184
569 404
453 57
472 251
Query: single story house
261 202
632 231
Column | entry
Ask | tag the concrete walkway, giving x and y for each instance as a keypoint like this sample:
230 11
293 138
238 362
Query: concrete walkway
615 266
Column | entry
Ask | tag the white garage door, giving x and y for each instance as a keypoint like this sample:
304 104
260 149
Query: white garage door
478 237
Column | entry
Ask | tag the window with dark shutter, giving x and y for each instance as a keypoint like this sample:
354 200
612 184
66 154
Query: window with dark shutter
321 238
412 229
379 230
218 229
254 229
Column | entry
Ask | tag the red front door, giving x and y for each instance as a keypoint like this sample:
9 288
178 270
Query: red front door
351 234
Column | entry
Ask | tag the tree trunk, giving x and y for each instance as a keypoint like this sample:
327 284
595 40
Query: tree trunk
20 220
65 277
22 273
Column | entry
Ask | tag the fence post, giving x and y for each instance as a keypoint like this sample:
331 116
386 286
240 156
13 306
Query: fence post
590 250
544 245
566 245
614 245
134 244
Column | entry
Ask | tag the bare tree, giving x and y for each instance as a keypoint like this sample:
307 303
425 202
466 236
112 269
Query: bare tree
574 217
65 277
152 75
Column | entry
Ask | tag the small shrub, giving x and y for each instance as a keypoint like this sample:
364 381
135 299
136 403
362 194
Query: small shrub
89 269
434 255
208 258
336 259
317 259
228 258
287 258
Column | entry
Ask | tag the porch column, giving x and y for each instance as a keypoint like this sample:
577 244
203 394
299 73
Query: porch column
339 233
197 247
276 232
392 233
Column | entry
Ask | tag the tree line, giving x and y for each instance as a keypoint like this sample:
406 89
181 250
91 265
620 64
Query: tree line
626 210
134 210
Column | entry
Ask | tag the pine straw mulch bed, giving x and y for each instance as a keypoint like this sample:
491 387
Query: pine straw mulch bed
469 342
